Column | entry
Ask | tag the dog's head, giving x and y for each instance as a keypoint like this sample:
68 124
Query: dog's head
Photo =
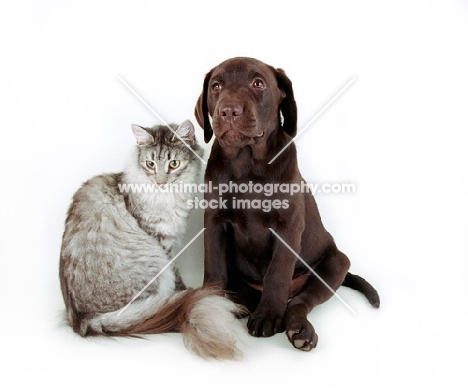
246 100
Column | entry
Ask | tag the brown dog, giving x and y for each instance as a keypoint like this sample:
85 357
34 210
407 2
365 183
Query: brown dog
254 116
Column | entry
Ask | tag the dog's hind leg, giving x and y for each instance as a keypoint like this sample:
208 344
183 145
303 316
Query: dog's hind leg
357 283
332 270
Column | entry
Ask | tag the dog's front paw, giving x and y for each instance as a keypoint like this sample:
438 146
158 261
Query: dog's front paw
301 334
264 324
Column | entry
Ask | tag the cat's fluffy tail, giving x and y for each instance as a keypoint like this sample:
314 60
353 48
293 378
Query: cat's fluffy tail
204 316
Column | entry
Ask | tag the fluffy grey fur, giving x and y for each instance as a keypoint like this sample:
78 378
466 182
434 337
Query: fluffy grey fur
116 241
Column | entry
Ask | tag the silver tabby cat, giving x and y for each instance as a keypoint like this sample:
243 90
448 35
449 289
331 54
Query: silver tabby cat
116 241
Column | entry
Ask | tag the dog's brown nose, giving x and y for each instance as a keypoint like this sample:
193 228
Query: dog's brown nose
231 110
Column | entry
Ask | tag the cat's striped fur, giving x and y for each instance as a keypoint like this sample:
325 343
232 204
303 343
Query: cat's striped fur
114 243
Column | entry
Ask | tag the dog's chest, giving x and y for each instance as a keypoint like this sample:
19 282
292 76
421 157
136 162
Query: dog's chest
249 245
247 229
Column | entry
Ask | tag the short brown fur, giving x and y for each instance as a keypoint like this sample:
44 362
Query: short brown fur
254 116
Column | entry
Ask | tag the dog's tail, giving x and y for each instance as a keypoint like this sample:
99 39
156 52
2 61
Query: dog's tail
357 283
204 316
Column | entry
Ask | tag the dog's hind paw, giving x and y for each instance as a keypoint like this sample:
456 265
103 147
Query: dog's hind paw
302 335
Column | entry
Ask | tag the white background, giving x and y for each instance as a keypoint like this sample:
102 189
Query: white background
398 133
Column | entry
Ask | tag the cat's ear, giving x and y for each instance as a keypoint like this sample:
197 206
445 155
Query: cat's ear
186 132
142 136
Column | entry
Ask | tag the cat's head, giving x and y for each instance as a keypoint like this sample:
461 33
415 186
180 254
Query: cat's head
168 154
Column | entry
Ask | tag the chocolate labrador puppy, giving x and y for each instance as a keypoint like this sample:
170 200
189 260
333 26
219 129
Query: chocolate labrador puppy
252 248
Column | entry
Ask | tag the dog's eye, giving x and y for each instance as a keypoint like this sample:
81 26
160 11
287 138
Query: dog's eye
216 86
258 83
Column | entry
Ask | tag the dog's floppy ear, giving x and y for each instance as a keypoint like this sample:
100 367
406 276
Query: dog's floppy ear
201 110
287 107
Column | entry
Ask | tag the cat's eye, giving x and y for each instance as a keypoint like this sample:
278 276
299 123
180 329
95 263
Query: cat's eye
150 164
174 164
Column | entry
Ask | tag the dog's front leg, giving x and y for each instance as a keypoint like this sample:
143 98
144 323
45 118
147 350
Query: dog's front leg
268 318
215 250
